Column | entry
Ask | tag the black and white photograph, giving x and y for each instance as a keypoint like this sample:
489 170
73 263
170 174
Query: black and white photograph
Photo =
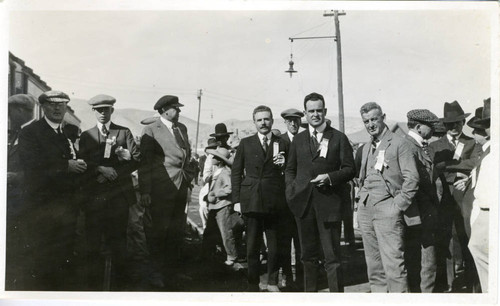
250 151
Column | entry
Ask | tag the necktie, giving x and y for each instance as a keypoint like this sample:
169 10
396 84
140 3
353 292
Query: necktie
314 140
59 130
104 130
374 144
454 141
265 145
178 137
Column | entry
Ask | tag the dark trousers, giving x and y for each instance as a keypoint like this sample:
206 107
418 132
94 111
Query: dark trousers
256 225
420 259
289 233
15 257
51 223
165 234
315 233
106 221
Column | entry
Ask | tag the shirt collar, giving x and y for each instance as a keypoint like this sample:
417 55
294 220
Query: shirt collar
169 124
268 136
320 129
290 135
52 124
99 125
417 137
486 146
450 138
27 123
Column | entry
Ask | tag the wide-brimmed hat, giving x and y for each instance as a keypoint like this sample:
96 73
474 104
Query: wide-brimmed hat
482 121
220 130
149 120
221 153
212 144
478 114
453 112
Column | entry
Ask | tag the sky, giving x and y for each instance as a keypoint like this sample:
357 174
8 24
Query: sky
402 59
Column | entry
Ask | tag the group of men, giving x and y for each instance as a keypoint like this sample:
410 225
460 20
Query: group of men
291 187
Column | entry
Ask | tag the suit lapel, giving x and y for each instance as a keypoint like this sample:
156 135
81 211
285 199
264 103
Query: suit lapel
364 160
54 138
258 145
113 131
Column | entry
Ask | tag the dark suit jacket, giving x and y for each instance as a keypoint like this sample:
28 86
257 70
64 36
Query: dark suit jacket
426 198
442 151
304 164
45 158
258 184
400 173
92 152
164 164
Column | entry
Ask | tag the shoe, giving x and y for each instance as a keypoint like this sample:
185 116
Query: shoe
273 288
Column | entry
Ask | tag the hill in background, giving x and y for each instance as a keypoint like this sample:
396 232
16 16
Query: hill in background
131 118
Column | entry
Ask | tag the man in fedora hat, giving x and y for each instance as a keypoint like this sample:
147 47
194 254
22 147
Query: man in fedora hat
292 119
111 155
454 156
164 178
420 253
51 169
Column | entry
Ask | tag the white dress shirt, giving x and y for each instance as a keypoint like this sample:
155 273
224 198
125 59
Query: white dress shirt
99 126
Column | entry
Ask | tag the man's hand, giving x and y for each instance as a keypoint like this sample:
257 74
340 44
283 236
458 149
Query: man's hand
145 199
108 172
320 180
77 166
123 154
462 183
279 159
101 179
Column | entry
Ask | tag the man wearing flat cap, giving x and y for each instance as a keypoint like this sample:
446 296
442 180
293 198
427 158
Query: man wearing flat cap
50 168
292 119
454 156
20 115
420 253
111 155
164 178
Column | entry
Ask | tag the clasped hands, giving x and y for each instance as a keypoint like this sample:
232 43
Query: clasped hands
106 174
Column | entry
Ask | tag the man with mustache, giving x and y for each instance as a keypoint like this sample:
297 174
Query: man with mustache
388 183
320 163
259 189
112 155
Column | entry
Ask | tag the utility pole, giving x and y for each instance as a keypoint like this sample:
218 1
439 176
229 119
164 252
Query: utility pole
198 122
336 15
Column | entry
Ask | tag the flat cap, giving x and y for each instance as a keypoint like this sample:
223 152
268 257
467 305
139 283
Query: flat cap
102 101
53 96
423 116
167 102
22 100
292 112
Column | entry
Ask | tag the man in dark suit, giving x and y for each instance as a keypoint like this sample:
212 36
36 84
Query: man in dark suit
420 252
388 183
292 119
320 163
111 155
20 115
50 168
454 156
164 178
259 188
